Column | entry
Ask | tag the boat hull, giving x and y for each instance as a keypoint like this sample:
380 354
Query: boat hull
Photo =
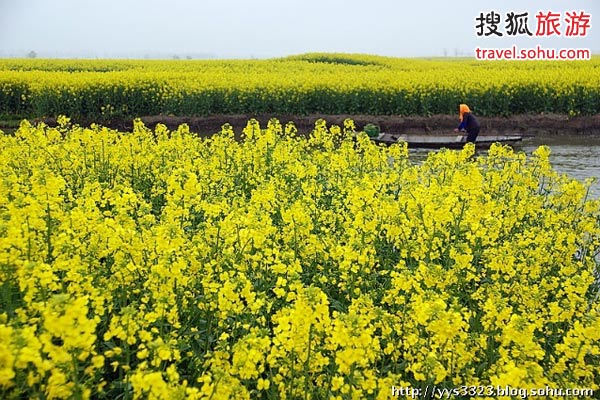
447 141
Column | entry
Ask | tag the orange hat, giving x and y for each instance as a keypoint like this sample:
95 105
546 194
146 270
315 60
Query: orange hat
463 108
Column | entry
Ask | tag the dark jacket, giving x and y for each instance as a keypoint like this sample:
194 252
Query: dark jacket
469 123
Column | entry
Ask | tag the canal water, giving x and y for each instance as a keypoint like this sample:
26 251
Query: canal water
578 156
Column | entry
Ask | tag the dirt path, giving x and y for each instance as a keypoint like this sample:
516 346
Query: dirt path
527 124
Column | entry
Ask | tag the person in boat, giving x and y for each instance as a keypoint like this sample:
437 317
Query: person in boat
468 123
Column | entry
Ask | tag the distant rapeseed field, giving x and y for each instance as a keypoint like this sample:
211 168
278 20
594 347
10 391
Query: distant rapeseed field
311 83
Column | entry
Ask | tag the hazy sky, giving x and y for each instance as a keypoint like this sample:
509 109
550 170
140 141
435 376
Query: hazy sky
268 28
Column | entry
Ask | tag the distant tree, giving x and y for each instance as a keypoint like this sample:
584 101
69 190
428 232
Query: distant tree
175 57
32 54
188 57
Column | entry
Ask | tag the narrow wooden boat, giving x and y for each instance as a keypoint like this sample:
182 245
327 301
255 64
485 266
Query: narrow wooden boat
448 141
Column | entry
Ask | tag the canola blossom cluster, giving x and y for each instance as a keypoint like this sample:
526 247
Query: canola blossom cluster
158 264
102 90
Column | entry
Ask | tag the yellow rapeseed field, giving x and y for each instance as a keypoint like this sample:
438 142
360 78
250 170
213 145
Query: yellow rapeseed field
311 83
157 264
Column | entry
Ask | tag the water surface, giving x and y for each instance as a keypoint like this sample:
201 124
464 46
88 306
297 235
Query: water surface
578 156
